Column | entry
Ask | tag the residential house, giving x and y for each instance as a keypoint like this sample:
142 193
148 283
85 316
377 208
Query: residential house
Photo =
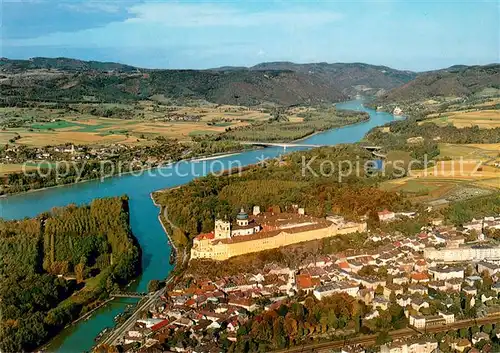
446 272
461 344
417 288
386 216
491 268
392 288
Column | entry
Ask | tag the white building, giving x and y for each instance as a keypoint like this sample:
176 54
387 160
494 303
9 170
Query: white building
386 216
445 273
464 254
338 287
423 346
449 317
488 267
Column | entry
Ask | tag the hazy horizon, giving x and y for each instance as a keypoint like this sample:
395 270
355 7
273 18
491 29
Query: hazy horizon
250 66
411 35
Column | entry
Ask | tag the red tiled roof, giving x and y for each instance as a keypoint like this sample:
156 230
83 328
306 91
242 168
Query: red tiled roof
240 301
202 236
159 325
304 281
343 265
419 276
385 212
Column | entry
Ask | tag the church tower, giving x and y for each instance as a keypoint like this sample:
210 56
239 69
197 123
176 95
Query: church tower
222 228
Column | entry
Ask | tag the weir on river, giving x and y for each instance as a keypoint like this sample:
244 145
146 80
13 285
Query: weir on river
144 214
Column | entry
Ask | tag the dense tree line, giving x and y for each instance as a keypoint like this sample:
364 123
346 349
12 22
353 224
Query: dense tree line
290 324
279 185
278 129
400 131
83 242
20 247
463 211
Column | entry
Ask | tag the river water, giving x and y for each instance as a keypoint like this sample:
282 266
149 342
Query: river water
144 214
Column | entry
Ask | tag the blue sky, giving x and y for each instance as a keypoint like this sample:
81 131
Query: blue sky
415 35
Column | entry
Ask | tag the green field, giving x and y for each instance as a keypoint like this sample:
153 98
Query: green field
201 132
60 124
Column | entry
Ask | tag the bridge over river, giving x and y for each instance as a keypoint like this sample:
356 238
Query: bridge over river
373 149
129 294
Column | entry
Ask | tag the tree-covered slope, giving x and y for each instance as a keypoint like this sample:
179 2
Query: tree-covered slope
39 256
350 78
62 79
457 81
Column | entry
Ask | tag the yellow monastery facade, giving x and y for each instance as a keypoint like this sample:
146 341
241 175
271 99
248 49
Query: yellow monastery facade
221 247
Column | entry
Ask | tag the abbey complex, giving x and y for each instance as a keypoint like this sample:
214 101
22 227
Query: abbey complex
266 230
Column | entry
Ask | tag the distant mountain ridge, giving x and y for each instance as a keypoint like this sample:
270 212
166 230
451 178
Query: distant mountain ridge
350 78
64 64
282 83
69 80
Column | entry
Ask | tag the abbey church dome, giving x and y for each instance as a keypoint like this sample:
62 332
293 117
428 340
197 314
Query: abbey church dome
242 215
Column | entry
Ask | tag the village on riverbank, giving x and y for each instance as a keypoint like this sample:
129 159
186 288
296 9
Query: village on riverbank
390 281
302 251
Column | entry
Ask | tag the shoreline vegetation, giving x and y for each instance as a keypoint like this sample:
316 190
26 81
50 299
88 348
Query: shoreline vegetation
88 314
274 188
357 118
166 164
103 257
225 195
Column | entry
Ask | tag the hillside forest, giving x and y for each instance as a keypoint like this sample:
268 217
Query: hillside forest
277 186
59 265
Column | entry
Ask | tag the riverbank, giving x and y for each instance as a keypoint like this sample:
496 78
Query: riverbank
216 156
74 322
179 263
84 181
244 148
142 170
170 240
144 215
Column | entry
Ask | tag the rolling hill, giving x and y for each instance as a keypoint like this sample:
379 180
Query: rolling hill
64 64
282 83
350 78
456 81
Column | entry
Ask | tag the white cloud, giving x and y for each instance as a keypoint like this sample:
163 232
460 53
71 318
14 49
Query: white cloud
91 6
206 15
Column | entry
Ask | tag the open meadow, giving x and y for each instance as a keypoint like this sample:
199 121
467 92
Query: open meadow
460 169
6 169
483 152
97 124
446 178
94 124
485 119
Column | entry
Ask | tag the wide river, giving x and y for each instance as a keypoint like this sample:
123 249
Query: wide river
144 214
